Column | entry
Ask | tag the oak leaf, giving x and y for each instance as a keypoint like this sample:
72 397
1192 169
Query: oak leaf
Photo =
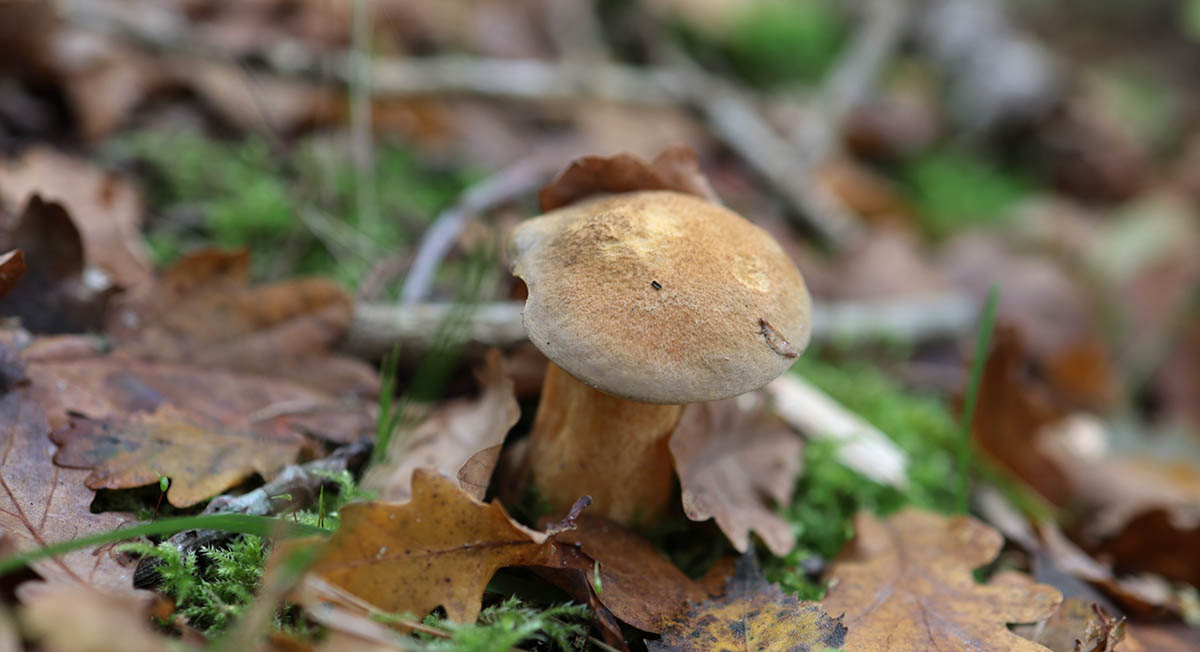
69 375
201 461
203 312
751 615
731 461
461 438
439 549
906 584
43 503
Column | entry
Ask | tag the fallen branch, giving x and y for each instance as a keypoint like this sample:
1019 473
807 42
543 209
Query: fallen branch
861 446
732 114
378 327
520 178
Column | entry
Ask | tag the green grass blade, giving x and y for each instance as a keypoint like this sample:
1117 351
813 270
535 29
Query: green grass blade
983 344
263 526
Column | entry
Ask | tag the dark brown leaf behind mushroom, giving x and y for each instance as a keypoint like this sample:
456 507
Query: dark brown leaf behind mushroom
675 169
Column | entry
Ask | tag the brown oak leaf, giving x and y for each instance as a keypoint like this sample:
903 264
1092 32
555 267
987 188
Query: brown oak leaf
43 503
461 438
751 615
439 549
201 460
732 460
676 169
906 584
203 312
68 374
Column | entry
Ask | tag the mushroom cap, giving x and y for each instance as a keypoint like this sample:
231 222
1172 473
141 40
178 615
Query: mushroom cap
660 297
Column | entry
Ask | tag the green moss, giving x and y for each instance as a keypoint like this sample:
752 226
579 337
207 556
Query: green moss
211 588
504 626
955 187
828 495
295 207
779 42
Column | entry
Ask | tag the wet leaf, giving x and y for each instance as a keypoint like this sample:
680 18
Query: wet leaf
203 312
751 615
439 549
676 169
43 503
906 583
461 438
201 460
732 461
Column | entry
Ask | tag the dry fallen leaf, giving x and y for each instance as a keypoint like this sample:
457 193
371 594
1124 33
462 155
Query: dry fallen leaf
1012 408
677 169
439 549
461 438
732 460
906 583
751 615
69 375
55 295
638 584
201 460
1078 626
203 312
42 503
104 207
99 622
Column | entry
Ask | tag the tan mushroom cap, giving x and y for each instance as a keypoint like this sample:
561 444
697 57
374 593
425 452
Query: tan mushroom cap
661 297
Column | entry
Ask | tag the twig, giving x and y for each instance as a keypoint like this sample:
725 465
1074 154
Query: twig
365 203
853 75
861 446
731 113
513 181
302 483
378 327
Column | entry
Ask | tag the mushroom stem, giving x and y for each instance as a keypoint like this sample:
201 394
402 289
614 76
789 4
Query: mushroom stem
586 442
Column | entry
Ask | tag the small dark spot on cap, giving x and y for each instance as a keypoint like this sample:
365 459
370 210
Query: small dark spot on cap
656 285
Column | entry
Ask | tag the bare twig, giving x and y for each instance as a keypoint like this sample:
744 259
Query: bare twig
365 204
513 181
302 483
861 446
732 113
853 75
378 327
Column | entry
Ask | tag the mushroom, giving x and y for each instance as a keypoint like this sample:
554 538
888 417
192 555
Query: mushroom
643 302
